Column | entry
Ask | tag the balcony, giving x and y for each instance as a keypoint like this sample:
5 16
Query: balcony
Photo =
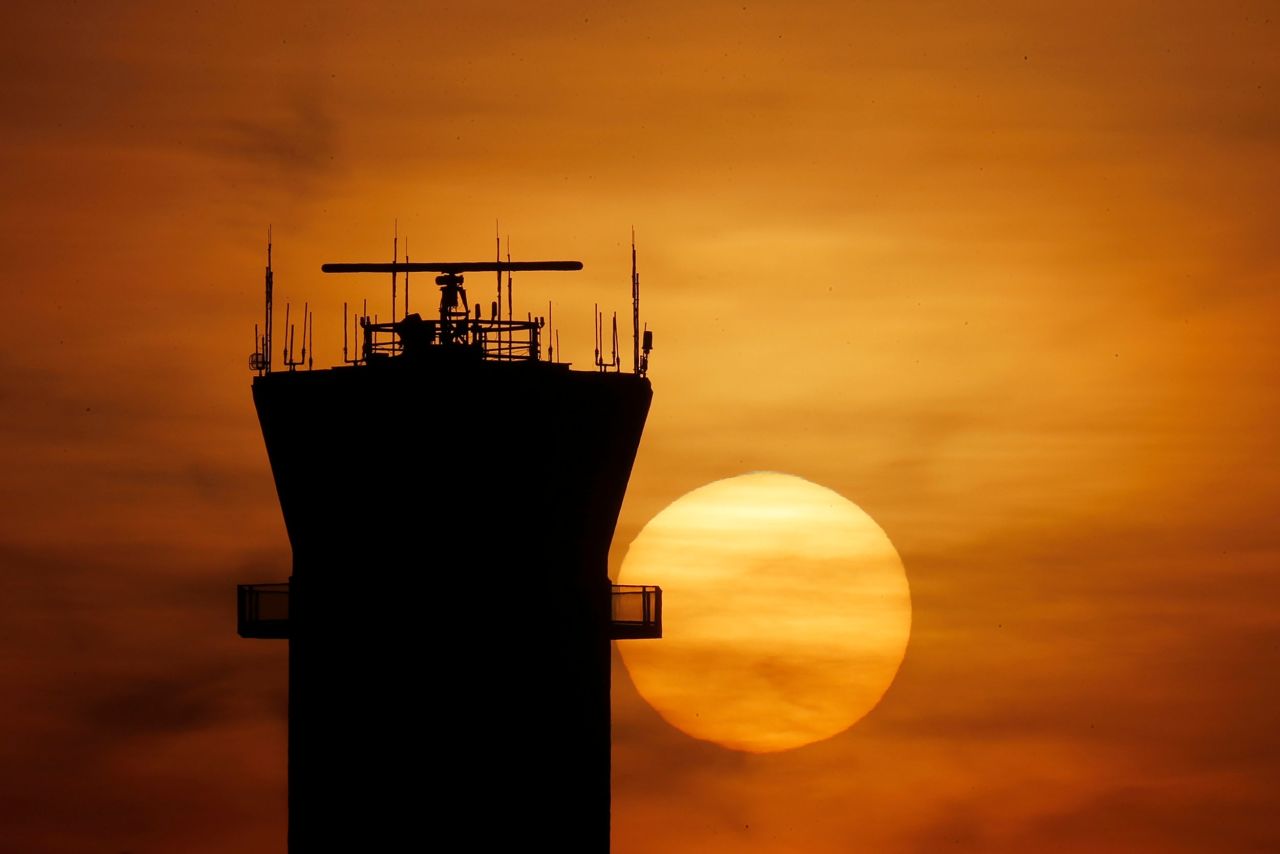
637 612
263 611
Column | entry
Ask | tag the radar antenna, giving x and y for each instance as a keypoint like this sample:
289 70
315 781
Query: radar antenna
455 326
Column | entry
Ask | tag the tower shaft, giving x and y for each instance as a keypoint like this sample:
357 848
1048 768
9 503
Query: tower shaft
449 608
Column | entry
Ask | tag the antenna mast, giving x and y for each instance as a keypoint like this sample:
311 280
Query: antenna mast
510 312
270 279
497 259
395 251
287 355
635 306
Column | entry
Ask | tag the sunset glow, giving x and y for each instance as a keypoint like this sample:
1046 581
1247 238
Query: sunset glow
1005 274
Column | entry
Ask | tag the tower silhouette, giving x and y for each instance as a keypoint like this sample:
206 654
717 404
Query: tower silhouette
450 497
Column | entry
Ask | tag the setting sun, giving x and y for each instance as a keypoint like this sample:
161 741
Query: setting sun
787 612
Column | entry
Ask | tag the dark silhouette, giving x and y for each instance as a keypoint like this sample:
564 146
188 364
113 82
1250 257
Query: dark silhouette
450 498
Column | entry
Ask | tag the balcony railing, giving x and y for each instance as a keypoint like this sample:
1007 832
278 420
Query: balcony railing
637 611
263 611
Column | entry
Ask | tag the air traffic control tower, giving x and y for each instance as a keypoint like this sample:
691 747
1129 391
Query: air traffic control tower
450 494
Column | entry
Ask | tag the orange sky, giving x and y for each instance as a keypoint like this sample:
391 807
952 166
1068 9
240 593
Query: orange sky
1005 277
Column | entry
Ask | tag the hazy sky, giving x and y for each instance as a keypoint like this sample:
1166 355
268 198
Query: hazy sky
1005 275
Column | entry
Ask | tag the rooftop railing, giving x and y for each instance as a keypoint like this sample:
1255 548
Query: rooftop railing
495 340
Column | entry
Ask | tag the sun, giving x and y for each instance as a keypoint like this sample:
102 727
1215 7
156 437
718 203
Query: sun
786 612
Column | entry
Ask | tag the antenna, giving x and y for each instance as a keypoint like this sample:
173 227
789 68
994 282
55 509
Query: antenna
497 261
354 327
599 324
406 275
613 362
270 281
395 253
635 306
551 353
291 337
288 339
510 312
